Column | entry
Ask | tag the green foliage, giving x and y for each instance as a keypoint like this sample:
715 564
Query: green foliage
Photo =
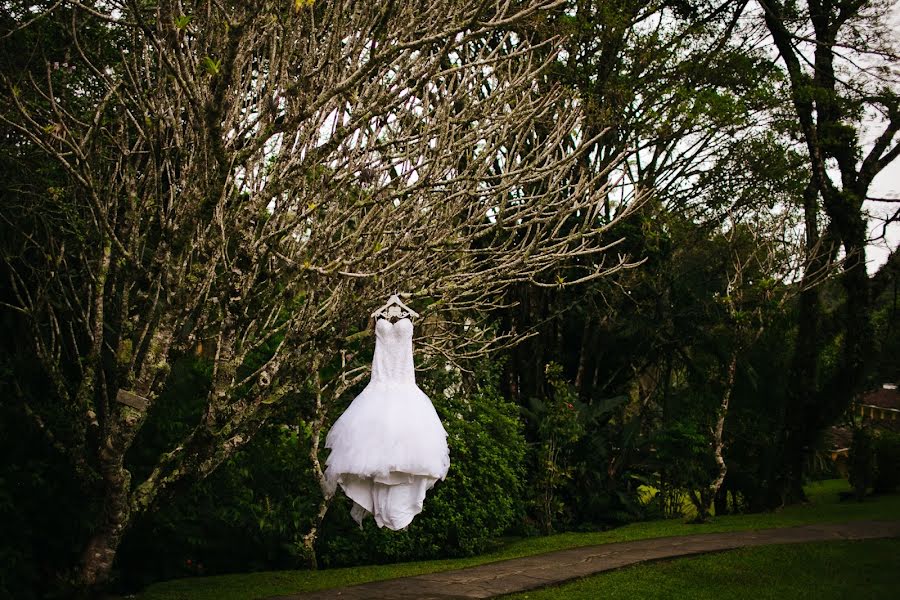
45 507
684 449
604 486
752 426
174 413
250 514
212 66
886 322
558 428
182 21
254 510
464 513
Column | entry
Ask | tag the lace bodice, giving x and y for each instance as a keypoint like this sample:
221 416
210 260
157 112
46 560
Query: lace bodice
393 360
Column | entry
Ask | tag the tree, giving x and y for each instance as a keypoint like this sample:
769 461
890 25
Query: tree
673 89
684 91
837 55
755 254
243 180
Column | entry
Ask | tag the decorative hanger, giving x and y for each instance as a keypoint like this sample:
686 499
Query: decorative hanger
394 309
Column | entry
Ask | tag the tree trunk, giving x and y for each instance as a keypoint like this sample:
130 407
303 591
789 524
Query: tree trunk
117 510
583 375
804 381
309 539
316 426
702 499
100 551
720 502
719 431
122 425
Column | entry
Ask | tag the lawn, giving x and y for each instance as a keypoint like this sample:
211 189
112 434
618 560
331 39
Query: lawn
823 507
820 571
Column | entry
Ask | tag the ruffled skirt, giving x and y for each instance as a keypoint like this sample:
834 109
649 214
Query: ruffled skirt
387 450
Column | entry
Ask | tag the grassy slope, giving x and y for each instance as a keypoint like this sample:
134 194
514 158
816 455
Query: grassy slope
816 571
823 508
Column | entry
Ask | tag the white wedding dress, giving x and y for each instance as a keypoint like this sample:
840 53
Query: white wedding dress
389 447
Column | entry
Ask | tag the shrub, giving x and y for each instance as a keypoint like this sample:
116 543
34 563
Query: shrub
559 427
684 449
46 507
248 515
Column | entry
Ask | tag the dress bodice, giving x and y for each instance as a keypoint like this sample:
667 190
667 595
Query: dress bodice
393 360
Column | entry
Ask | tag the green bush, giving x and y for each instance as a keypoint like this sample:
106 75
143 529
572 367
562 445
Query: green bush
46 508
887 461
598 496
462 514
684 448
248 515
559 427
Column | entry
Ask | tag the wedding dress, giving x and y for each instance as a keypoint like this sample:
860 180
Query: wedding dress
389 447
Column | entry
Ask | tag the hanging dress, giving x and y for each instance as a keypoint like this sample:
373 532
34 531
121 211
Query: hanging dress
389 447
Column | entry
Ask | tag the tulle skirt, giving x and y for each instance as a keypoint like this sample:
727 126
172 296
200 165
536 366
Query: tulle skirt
387 450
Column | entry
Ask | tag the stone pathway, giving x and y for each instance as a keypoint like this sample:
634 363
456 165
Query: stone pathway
521 574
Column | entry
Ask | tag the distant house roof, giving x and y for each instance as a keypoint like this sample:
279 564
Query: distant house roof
838 438
888 396
879 408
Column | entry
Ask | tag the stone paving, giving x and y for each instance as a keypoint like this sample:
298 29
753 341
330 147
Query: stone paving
522 574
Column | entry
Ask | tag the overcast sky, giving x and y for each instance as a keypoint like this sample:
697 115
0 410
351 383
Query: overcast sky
886 185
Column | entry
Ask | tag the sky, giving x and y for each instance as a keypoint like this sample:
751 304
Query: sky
885 185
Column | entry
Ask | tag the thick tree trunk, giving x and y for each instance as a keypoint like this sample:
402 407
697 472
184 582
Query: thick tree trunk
804 382
858 341
100 551
122 424
116 512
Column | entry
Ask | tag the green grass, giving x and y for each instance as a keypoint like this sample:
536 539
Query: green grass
822 508
819 571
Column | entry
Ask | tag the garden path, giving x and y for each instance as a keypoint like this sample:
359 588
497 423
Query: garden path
530 572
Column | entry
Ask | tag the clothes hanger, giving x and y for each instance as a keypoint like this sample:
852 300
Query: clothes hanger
394 309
